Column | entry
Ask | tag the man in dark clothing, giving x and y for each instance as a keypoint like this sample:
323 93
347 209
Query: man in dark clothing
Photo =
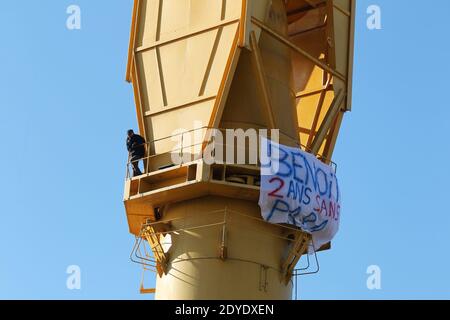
136 151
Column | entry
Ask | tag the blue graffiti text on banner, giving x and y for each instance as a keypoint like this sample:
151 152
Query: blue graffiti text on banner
299 190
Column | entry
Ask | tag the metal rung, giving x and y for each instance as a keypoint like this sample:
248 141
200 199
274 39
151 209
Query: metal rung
142 290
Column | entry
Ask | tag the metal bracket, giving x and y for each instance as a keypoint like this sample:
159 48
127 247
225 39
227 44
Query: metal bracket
223 251
263 283
223 244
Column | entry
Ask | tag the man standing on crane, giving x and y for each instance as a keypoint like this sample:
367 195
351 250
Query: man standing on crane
136 151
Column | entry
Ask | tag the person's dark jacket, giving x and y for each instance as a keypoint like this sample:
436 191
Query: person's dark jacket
136 146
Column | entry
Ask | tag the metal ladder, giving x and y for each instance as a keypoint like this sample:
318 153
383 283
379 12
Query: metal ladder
153 239
300 245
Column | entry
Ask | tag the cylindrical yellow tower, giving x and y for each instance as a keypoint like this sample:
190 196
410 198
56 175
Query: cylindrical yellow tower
249 267
234 64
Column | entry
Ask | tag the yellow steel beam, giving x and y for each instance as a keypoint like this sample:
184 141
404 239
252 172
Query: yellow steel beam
315 123
242 25
225 84
262 81
131 45
297 49
351 55
180 106
186 35
328 121
332 137
138 97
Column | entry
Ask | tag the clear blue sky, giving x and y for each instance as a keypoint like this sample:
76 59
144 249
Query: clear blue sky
65 107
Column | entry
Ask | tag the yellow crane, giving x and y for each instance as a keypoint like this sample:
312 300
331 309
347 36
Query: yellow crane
228 64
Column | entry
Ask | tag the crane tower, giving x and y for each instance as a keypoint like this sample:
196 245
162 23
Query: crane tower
228 64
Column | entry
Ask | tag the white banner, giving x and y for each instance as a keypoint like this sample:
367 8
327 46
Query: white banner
298 189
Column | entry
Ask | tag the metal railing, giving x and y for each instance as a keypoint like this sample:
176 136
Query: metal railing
207 138
149 261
